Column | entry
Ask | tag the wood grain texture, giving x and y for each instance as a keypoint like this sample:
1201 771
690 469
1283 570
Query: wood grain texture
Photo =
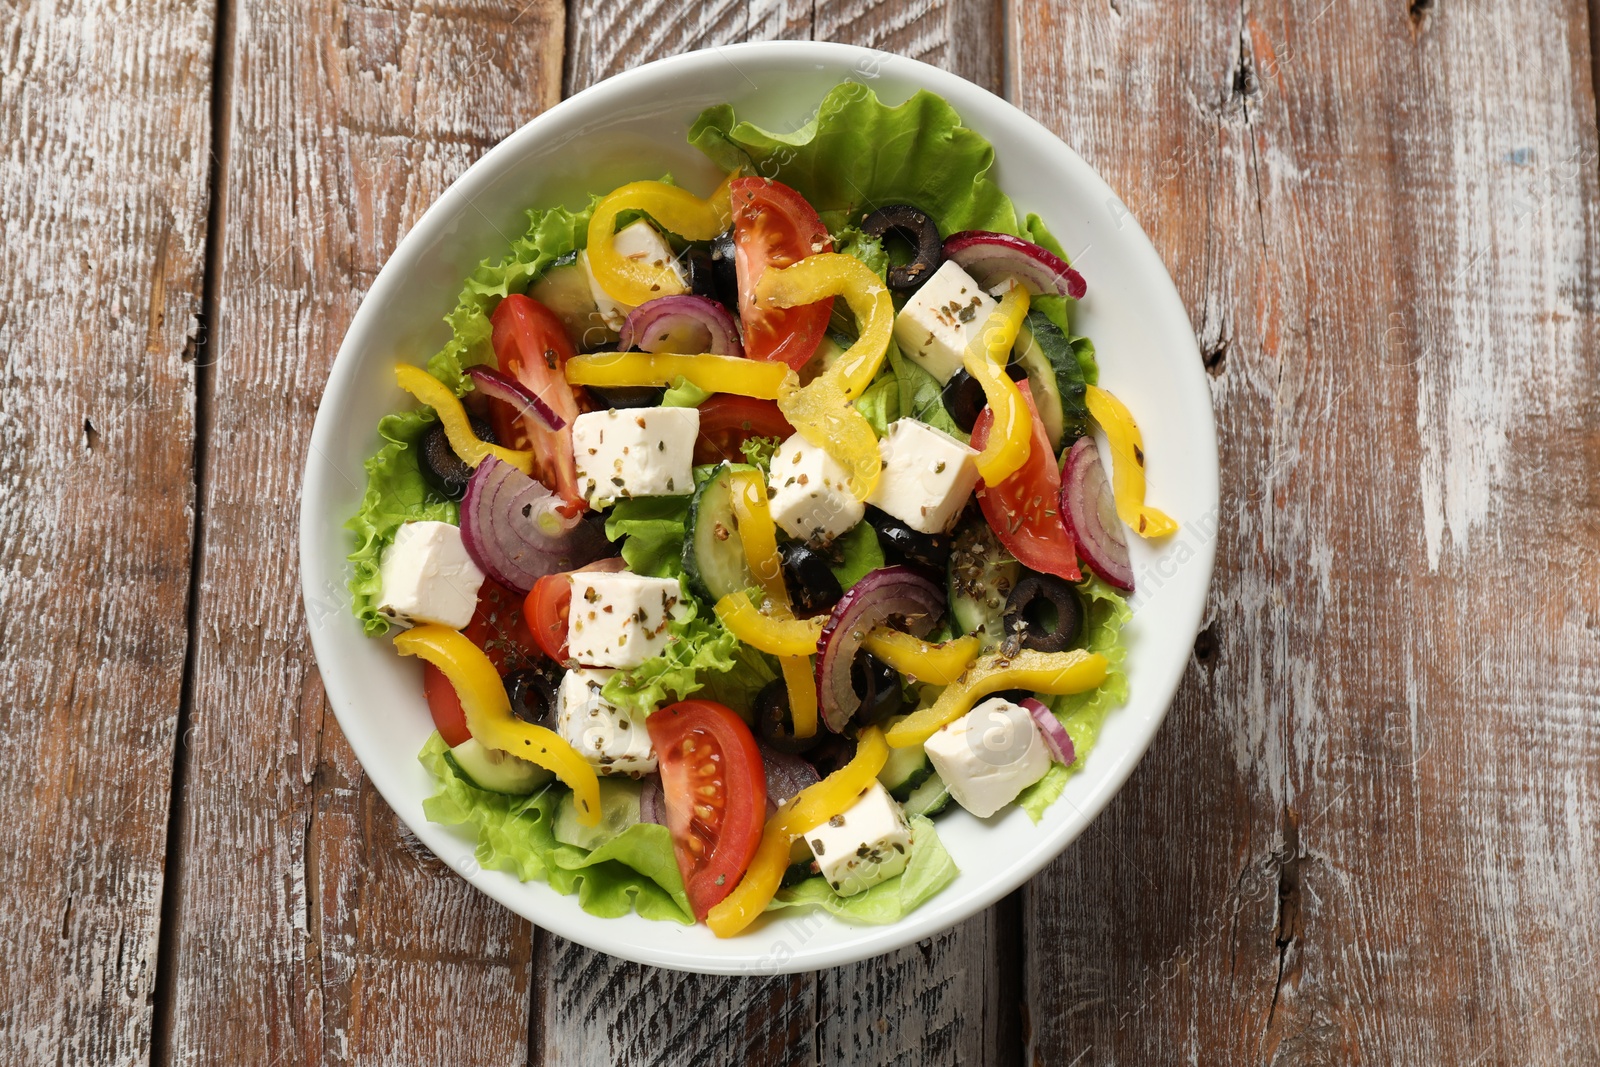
1368 831
951 999
313 928
102 236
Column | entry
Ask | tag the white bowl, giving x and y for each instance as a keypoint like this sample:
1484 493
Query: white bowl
633 126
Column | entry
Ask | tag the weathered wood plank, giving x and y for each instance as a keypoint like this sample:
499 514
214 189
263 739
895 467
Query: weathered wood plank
313 927
1367 831
950 999
102 245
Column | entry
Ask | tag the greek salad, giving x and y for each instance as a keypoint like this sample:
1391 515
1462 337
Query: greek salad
740 537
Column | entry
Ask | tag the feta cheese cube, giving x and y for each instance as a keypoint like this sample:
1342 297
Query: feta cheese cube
810 492
941 319
989 755
613 741
869 842
635 452
637 241
619 620
427 576
927 476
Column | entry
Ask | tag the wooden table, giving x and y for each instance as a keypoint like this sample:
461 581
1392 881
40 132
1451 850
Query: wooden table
1368 831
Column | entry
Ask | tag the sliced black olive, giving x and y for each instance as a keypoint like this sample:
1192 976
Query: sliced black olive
1016 696
963 397
902 544
917 230
626 396
812 587
442 468
724 270
833 751
776 725
702 272
532 692
878 686
1045 612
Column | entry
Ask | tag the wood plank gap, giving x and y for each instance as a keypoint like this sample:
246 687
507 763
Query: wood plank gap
1594 61
223 39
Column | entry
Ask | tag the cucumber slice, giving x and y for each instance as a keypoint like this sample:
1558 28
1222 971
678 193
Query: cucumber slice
929 798
906 769
1055 378
564 289
980 577
713 554
619 809
497 772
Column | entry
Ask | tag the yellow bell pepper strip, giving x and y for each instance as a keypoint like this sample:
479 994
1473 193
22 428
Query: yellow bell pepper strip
1127 464
939 664
759 535
714 374
489 717
815 805
453 417
1011 437
769 633
822 412
1076 671
679 211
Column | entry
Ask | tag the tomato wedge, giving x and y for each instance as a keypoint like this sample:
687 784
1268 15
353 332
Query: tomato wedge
1024 509
532 346
716 794
773 226
727 421
499 628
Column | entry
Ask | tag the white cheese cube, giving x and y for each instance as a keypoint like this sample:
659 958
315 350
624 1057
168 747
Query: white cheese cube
619 620
941 319
868 843
613 741
635 452
810 493
427 576
927 476
637 241
989 755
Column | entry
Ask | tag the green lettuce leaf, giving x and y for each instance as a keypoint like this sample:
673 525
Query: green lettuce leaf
634 871
929 870
550 235
653 531
1084 713
904 390
396 494
855 554
859 154
758 452
683 394
699 645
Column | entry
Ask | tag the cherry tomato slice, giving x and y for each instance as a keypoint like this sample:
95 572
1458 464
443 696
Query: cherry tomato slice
773 226
497 627
727 421
546 609
532 346
1024 509
716 795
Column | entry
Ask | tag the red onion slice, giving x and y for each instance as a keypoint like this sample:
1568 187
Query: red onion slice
653 802
883 594
689 325
989 256
515 531
491 382
1056 738
786 776
1089 509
